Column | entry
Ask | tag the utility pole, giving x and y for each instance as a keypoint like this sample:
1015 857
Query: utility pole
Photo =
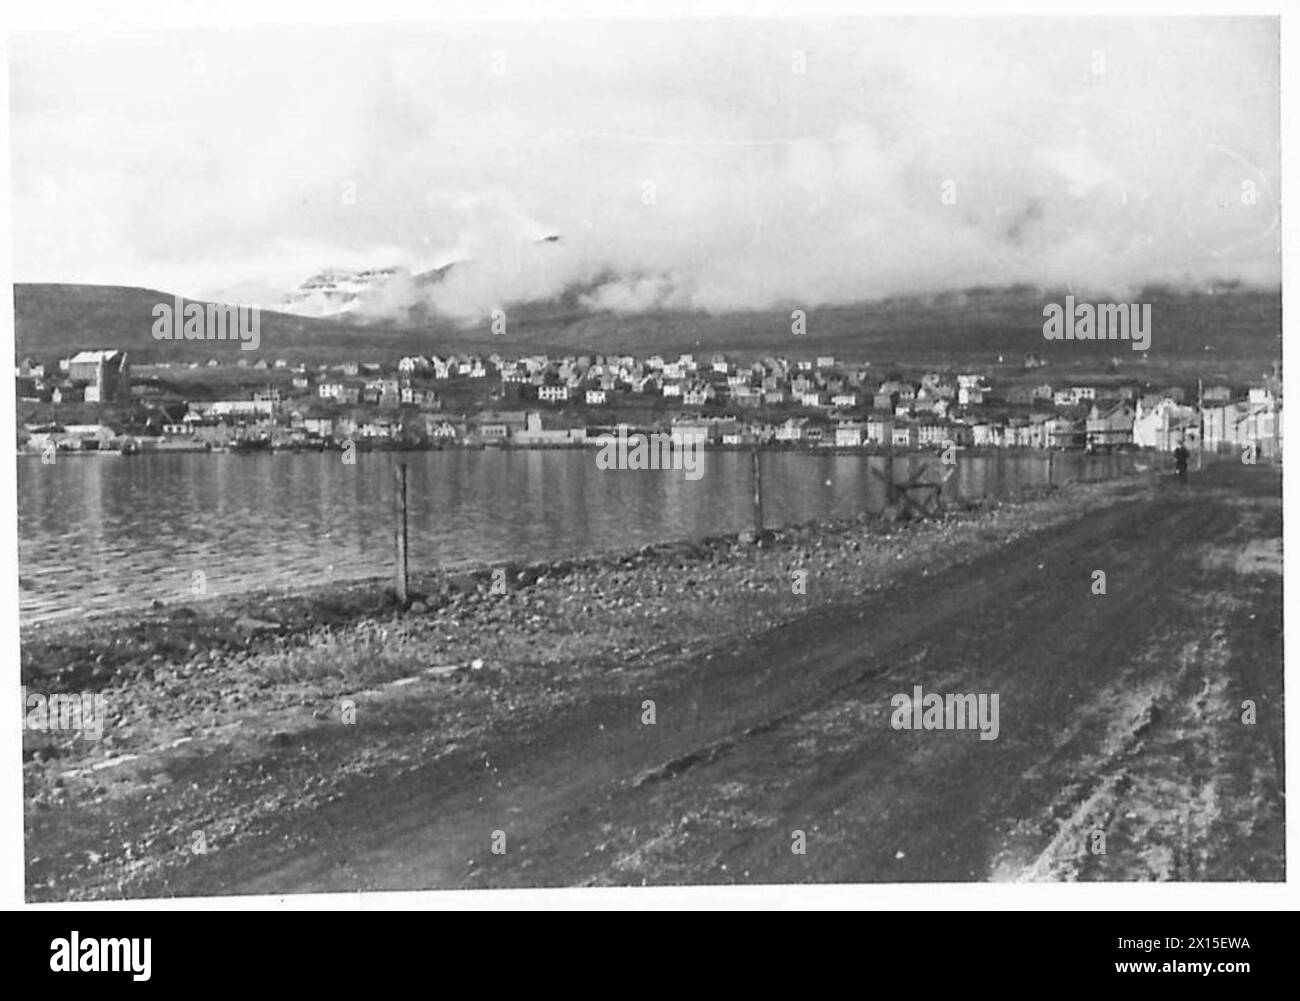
399 535
758 495
1200 416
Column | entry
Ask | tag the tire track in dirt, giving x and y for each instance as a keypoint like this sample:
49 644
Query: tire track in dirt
1124 714
940 640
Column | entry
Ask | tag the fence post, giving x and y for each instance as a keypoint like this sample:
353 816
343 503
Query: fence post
758 494
400 584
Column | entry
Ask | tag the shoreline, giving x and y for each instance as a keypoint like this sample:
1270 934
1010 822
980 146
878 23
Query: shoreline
288 611
316 580
810 448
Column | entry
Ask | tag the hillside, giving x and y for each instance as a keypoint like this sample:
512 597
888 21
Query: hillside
1231 331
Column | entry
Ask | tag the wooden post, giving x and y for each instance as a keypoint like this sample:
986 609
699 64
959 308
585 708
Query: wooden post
1276 451
758 494
889 477
400 535
1051 455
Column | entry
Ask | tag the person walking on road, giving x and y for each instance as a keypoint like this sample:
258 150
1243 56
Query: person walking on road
1181 456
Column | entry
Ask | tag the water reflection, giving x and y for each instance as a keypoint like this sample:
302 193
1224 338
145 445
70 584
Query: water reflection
101 532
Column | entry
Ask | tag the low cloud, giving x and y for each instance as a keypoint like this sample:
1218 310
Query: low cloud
684 165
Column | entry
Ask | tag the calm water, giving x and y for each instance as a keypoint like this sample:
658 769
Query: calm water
104 532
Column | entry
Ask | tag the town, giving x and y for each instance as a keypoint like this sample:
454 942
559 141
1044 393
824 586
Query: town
96 402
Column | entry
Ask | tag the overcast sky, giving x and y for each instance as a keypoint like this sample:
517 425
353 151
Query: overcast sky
1095 154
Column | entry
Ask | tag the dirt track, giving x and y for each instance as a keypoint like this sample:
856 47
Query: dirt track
1118 713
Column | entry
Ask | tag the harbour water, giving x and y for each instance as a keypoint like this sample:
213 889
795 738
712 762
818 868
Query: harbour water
98 533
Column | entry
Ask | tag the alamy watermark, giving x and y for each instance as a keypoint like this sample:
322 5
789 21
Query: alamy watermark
657 450
75 954
195 321
82 714
931 711
1107 321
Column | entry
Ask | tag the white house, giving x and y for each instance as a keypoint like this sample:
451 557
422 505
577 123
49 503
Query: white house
791 430
848 435
1164 425
905 436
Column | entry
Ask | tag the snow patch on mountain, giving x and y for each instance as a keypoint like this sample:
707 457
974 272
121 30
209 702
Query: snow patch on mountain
336 291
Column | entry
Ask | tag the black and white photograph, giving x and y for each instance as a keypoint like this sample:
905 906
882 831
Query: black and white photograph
749 453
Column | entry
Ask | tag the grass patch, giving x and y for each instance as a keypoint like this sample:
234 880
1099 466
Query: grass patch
366 655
